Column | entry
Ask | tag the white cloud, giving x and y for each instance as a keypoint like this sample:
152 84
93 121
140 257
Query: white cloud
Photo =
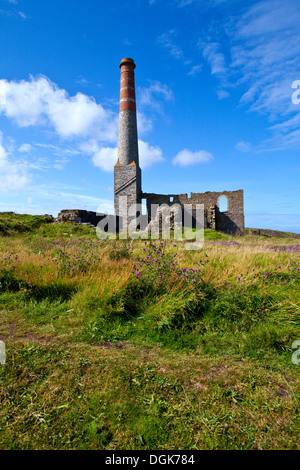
268 16
187 157
266 57
13 12
222 94
262 62
25 148
167 41
215 58
106 157
13 175
144 124
195 69
149 155
154 95
217 62
243 146
39 101
22 15
155 88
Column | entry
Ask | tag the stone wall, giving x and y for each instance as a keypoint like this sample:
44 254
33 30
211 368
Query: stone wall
231 221
127 183
83 217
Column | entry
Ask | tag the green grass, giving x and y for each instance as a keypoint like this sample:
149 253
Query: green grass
146 345
11 223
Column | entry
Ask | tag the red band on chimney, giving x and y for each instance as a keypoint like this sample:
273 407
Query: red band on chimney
127 91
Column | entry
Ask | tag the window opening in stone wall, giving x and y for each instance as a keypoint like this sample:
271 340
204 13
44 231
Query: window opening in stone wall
223 204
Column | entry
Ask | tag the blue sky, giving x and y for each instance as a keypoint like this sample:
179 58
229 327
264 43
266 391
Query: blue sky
214 95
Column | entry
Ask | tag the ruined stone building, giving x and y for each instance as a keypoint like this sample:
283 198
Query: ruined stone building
128 179
128 183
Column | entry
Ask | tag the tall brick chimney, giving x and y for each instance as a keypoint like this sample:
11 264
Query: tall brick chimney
127 172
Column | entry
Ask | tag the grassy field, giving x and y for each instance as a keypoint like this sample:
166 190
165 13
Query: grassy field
138 345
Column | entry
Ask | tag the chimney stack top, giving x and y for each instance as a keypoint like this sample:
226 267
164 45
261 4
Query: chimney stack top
127 61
